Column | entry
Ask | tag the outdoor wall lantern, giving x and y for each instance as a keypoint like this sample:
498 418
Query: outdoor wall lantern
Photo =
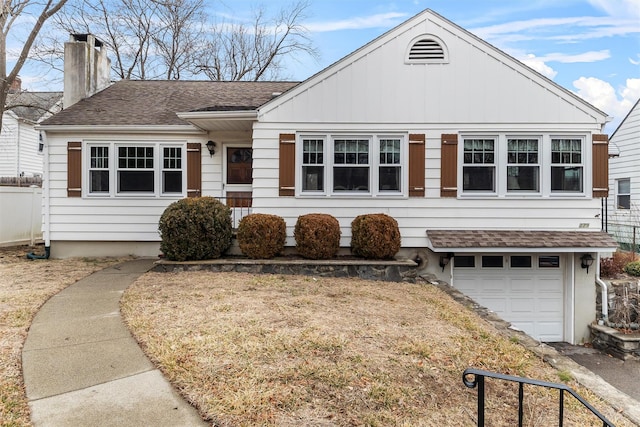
586 261
444 260
211 146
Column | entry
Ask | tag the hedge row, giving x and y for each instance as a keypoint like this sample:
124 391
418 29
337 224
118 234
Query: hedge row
200 228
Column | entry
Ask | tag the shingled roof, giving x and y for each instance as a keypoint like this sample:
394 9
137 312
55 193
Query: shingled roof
33 105
156 102
484 239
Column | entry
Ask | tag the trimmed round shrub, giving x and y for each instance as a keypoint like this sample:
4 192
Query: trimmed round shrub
317 236
195 228
261 235
633 268
375 236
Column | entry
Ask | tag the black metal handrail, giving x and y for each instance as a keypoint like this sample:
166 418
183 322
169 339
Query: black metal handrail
478 380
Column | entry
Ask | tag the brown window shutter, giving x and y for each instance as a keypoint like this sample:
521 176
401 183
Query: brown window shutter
287 182
416 164
194 169
600 165
449 165
74 169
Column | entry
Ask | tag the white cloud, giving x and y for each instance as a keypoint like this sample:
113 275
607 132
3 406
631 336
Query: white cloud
603 96
381 20
591 56
618 8
539 65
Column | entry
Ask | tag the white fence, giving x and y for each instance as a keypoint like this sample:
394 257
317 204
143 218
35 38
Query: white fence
20 215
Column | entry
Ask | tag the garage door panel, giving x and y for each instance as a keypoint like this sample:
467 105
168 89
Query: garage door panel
531 299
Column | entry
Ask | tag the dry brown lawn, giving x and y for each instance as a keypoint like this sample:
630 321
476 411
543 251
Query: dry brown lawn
252 350
24 286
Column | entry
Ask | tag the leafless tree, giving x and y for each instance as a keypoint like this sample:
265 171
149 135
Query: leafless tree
10 12
243 52
174 39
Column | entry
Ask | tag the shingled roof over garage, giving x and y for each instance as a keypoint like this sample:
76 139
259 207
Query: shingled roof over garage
492 240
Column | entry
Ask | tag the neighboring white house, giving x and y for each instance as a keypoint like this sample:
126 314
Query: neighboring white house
482 161
623 210
20 149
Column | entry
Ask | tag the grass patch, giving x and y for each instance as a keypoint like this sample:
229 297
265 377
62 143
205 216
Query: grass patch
290 350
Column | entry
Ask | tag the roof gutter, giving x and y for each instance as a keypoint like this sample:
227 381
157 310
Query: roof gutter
221 115
179 129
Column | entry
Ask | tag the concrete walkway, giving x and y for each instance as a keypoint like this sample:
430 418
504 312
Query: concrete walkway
83 368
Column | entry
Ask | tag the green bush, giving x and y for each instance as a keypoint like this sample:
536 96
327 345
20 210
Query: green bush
195 228
633 268
317 236
261 235
375 236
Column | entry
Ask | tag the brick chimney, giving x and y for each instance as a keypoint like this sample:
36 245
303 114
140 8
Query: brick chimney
87 69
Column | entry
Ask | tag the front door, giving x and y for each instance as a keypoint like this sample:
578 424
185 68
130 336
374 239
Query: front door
239 177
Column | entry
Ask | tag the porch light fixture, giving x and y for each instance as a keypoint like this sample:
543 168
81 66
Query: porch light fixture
444 260
211 146
586 261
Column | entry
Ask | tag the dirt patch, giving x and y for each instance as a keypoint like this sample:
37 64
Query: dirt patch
298 350
24 286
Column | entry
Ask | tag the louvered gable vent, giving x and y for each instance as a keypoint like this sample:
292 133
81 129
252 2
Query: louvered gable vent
426 49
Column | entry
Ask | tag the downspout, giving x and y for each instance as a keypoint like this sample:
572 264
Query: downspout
46 185
605 291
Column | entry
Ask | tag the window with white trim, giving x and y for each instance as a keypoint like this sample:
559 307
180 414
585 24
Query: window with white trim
623 193
567 165
523 167
479 165
143 169
367 165
99 170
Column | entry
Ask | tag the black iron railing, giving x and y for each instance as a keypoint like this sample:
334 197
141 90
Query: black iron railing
479 375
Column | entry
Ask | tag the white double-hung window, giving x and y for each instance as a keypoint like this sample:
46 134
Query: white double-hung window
353 165
128 168
523 165
479 165
567 165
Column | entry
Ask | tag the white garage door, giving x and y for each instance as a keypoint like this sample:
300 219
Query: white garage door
527 290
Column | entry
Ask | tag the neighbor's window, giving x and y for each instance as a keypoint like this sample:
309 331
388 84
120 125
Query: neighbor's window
523 168
566 165
99 169
351 165
390 165
479 169
623 193
312 165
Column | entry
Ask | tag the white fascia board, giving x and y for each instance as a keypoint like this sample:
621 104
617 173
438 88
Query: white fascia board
219 115
187 129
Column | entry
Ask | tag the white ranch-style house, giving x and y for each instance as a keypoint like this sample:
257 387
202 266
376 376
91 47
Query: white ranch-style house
493 172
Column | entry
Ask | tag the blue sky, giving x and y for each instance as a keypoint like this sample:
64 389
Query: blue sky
591 47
